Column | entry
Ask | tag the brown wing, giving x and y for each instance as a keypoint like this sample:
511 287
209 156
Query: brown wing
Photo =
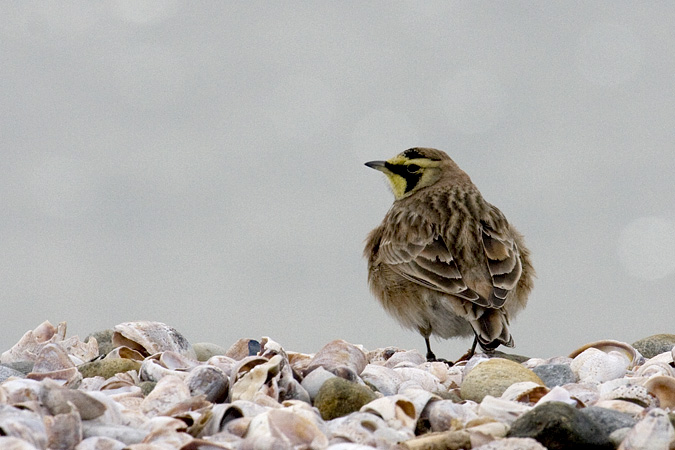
503 260
429 263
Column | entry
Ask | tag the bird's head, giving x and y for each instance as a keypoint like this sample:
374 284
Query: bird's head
412 170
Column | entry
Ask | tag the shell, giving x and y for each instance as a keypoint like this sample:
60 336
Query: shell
663 388
661 364
366 429
443 415
415 377
595 366
384 379
336 355
33 341
60 400
100 443
149 338
243 348
585 394
125 352
525 392
53 362
287 428
315 379
406 358
169 391
13 443
64 431
247 383
559 394
654 431
210 381
632 393
396 410
222 414
23 424
623 406
501 409
609 345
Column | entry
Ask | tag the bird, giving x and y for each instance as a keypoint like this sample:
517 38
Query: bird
444 261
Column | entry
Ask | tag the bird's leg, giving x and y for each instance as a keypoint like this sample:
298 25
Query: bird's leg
467 356
430 354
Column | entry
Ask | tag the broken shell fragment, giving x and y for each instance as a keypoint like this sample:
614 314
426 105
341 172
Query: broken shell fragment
663 388
149 338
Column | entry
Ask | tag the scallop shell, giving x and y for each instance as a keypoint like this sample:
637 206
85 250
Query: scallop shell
149 338
596 366
608 345
654 431
663 388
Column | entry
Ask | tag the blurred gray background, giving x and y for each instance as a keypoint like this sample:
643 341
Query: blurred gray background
201 164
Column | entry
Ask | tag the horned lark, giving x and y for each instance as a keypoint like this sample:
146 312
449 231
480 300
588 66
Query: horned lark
444 261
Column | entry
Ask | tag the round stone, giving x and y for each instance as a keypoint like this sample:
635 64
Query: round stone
654 345
339 397
493 377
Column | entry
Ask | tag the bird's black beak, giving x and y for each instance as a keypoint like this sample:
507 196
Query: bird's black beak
377 165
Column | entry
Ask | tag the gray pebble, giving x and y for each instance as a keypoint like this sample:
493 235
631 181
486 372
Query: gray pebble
555 374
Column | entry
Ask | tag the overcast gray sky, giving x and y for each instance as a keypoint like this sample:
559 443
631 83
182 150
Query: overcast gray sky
201 163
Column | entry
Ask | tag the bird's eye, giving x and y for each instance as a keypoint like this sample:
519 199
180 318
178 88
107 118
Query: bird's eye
412 168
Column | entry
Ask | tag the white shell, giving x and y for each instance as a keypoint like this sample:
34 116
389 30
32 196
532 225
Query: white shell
169 391
396 410
33 341
443 414
661 364
608 346
558 394
315 379
653 432
525 392
287 427
384 379
596 366
501 409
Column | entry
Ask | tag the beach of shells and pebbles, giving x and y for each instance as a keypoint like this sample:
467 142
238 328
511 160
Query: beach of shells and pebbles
143 386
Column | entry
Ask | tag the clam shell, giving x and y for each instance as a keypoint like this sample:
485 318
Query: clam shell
285 427
149 338
222 414
608 345
559 394
60 400
663 388
443 415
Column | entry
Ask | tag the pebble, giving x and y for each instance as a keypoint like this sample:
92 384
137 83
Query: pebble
155 390
493 377
339 397
561 426
651 346
555 374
